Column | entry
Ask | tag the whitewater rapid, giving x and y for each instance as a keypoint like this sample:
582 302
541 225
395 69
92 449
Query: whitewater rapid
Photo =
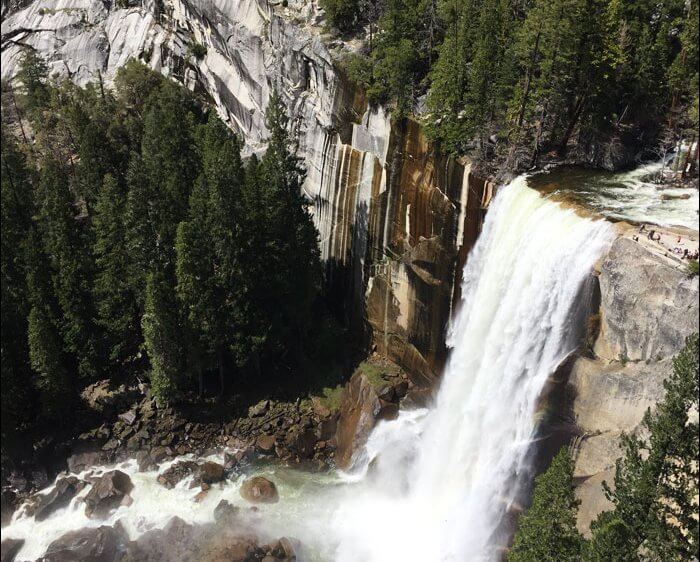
436 484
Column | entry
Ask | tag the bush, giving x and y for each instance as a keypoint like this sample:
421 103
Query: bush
197 50
693 267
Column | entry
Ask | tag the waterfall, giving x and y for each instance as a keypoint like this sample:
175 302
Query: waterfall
437 483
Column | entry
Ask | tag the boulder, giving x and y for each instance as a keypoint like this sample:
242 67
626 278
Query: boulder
265 443
259 409
259 490
302 441
170 477
358 415
175 543
9 549
9 504
107 493
211 472
225 512
58 497
99 544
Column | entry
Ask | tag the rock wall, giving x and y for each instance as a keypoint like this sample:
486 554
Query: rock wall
649 305
396 218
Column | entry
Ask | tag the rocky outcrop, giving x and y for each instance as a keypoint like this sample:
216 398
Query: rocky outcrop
108 492
259 490
358 416
9 549
60 495
395 217
648 307
100 544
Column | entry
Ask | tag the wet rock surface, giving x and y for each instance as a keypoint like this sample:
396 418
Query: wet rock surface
100 544
259 490
9 549
107 493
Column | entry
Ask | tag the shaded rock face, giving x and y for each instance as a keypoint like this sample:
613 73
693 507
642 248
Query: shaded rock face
395 217
9 549
648 308
358 416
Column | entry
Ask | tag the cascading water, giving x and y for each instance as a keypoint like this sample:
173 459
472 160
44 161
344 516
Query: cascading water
444 478
436 484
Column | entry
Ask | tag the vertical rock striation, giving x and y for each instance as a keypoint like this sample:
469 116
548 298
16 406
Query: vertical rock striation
396 218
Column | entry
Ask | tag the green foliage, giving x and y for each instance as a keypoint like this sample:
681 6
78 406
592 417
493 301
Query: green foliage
117 310
164 338
33 75
547 531
693 267
344 15
197 50
71 267
656 481
16 212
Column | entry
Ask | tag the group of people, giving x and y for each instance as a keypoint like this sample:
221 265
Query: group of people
654 236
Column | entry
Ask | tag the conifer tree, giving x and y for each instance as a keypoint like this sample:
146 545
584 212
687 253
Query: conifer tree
33 74
16 213
71 267
656 481
49 362
164 338
117 306
293 254
208 246
547 530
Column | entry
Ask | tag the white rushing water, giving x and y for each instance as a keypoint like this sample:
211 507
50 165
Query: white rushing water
435 484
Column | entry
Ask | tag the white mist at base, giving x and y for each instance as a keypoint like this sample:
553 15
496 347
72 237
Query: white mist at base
444 478
435 484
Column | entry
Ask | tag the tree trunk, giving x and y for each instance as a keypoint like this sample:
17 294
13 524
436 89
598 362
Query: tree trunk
528 78
572 124
221 370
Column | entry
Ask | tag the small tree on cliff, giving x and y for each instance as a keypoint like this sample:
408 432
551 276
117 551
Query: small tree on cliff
547 531
656 481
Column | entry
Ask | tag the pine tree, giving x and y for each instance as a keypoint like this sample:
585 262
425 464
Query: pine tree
547 531
164 338
16 376
50 364
656 481
33 74
208 246
117 306
293 253
71 267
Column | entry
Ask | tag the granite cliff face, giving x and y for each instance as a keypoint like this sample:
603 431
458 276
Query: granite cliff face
649 305
396 219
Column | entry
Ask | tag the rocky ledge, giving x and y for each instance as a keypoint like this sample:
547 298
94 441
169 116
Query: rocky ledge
648 306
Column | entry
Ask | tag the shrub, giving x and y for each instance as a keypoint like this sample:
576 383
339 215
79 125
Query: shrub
197 50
